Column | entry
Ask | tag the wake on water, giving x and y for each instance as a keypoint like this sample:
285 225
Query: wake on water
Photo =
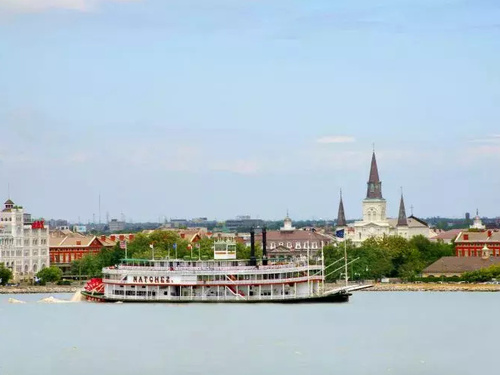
77 297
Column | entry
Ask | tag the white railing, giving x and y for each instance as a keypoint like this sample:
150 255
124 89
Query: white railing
214 268
162 271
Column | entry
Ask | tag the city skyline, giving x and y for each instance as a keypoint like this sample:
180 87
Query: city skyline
217 108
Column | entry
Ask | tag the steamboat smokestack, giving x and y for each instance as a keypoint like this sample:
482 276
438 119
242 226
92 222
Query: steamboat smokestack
264 246
253 260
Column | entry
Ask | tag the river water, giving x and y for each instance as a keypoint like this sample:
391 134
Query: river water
375 333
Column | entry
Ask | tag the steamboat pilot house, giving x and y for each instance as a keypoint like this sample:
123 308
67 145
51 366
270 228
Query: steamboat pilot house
223 279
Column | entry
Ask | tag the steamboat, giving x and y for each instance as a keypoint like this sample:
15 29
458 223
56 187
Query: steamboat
223 279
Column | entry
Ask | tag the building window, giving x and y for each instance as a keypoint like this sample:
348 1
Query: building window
297 245
289 245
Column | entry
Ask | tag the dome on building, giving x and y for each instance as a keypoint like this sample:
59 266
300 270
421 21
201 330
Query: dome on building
478 223
287 224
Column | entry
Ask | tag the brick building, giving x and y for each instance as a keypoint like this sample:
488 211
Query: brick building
474 243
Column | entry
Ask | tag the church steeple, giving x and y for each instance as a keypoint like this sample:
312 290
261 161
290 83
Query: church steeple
341 222
374 190
402 221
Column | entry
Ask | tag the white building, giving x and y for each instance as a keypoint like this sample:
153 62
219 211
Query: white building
375 222
478 223
24 246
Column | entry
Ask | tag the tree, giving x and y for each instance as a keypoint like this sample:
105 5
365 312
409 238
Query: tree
50 274
204 248
5 274
243 251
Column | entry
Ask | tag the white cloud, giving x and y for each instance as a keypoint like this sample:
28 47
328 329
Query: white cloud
336 139
493 138
34 6
236 166
485 150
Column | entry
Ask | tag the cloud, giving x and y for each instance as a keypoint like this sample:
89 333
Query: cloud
336 139
485 150
34 6
493 138
236 166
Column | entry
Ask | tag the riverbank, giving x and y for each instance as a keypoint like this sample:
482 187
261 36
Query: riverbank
434 287
38 289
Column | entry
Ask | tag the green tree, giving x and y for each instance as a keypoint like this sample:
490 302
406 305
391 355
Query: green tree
482 275
243 251
50 274
333 254
204 248
5 274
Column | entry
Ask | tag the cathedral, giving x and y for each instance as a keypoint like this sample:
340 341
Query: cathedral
375 222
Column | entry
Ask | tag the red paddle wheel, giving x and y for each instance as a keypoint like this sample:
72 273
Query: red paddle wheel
94 290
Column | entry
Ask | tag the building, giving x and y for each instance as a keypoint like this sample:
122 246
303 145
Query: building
67 246
111 240
80 228
456 266
243 223
447 236
473 243
24 245
375 222
116 226
477 223
291 242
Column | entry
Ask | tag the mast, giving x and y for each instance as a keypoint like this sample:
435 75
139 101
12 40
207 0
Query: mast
322 270
308 279
345 260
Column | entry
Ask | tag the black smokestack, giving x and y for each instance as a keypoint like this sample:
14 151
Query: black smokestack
253 260
264 246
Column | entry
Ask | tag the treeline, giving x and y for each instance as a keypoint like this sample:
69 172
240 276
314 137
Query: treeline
391 256
482 275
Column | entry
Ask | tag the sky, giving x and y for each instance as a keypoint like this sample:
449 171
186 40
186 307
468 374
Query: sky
218 108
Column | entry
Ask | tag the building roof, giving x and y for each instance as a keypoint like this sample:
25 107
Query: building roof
374 190
447 235
341 222
490 235
402 221
412 222
296 235
453 264
71 241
